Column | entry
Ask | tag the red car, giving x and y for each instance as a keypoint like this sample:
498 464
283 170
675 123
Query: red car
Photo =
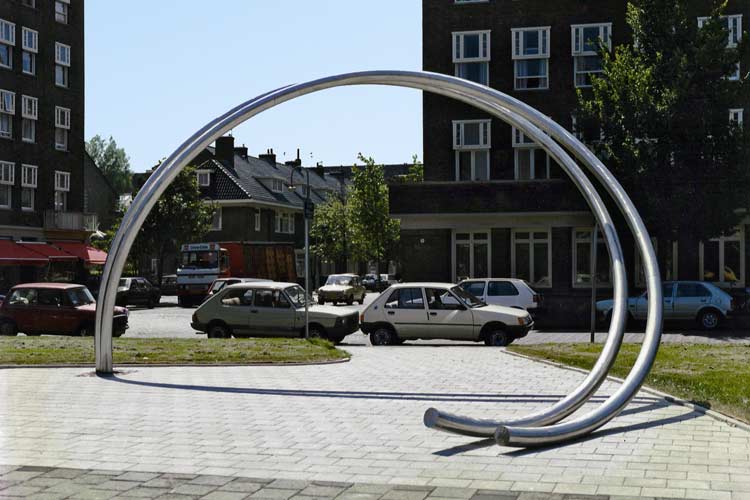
53 309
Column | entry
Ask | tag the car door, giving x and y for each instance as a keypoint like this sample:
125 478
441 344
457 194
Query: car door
70 319
503 293
449 317
405 310
272 315
689 299
476 288
639 307
233 308
21 307
49 314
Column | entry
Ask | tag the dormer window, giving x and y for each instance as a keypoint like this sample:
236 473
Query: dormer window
277 185
204 178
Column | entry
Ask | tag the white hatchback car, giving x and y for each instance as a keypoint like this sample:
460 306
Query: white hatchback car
510 292
410 311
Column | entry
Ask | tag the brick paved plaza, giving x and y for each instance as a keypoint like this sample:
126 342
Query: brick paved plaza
358 422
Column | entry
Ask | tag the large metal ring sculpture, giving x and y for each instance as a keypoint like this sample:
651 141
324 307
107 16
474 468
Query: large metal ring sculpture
537 429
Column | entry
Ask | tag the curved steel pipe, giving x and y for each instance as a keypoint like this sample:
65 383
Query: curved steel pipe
170 168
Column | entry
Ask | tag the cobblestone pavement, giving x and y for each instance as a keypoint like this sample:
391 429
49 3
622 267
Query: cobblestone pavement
361 422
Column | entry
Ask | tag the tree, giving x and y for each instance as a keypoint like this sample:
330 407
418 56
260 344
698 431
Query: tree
329 231
663 107
373 233
180 216
416 171
112 161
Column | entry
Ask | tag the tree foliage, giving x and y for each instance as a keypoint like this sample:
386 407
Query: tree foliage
663 106
180 216
329 231
112 161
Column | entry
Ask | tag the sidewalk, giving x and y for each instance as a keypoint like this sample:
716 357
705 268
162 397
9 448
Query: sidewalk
361 422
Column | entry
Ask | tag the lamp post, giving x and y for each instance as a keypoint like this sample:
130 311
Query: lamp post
307 214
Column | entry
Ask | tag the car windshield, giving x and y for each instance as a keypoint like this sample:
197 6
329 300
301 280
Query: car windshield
297 295
337 279
123 282
80 296
467 298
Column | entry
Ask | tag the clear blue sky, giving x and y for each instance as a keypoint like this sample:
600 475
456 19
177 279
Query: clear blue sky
156 71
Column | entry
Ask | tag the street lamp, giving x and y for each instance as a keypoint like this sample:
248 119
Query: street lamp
308 214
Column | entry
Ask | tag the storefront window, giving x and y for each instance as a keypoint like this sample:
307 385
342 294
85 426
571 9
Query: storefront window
721 259
472 255
582 257
531 257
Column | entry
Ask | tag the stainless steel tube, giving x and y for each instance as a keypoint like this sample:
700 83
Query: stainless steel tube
505 107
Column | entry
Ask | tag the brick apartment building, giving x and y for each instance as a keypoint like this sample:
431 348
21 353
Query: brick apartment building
493 203
41 138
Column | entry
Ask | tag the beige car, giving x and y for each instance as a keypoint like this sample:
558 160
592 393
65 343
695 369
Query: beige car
346 288
270 309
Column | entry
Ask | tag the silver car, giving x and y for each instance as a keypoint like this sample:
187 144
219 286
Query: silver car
683 300
270 309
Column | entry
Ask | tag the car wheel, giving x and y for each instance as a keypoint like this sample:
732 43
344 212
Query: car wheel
150 304
321 301
497 338
381 336
350 300
709 319
8 329
335 302
315 332
219 331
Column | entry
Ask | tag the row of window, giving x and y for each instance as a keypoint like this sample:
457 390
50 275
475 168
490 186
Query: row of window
29 117
29 183
62 9
720 259
29 52
472 142
531 52
284 222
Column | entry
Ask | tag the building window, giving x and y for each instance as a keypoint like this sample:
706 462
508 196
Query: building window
277 185
531 256
61 11
531 161
582 255
62 64
7 110
62 126
299 263
257 220
216 220
472 140
733 26
7 42
737 116
471 255
471 55
587 132
204 178
28 186
7 180
29 113
669 272
586 40
531 58
285 222
30 46
62 187
722 259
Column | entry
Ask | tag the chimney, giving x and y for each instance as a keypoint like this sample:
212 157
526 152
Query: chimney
269 157
319 169
242 151
225 150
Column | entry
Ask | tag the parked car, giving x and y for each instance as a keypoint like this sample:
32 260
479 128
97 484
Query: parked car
409 311
369 281
682 300
220 283
54 309
384 281
509 292
169 284
137 291
342 288
270 309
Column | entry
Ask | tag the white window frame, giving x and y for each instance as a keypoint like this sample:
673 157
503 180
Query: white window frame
277 185
543 32
589 240
530 241
29 35
28 125
472 241
257 221
8 37
29 107
29 175
214 225
62 117
578 46
739 236
734 26
280 218
62 54
485 134
737 115
7 173
62 181
522 144
485 50
65 4
473 167
639 272
7 102
203 177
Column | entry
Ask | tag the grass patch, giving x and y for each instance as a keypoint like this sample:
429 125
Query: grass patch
54 350
716 376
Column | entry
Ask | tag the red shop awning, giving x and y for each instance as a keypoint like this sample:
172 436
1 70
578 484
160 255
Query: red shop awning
13 254
47 250
88 254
